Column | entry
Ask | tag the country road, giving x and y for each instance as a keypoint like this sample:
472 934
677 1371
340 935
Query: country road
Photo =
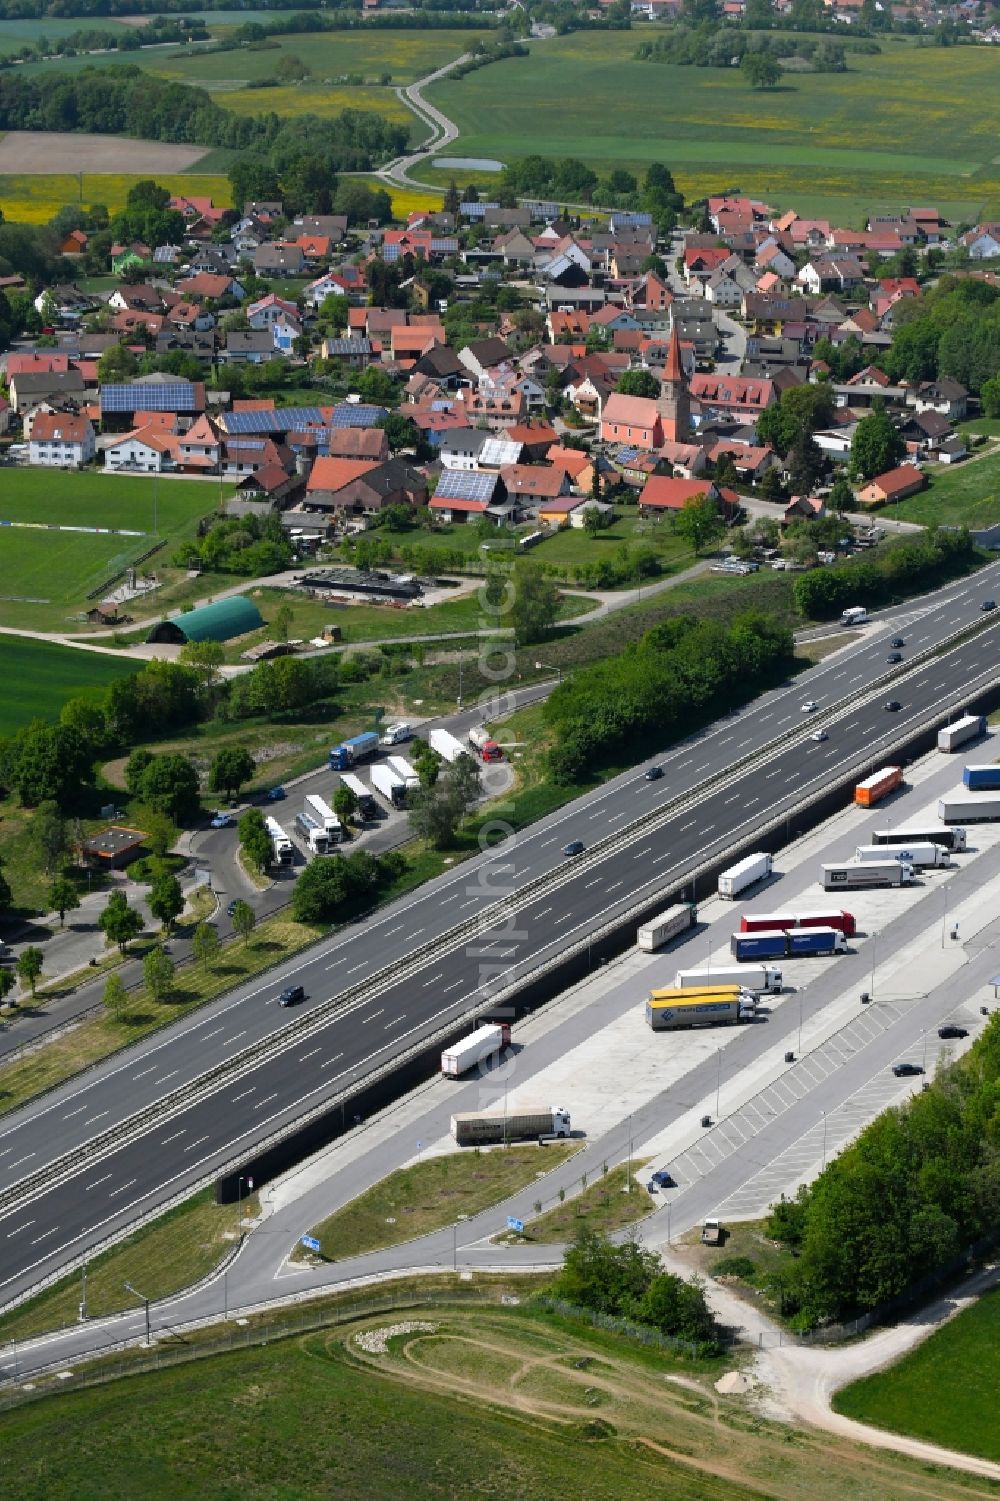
443 131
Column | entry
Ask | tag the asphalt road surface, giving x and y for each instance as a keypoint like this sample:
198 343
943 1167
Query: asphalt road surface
39 1235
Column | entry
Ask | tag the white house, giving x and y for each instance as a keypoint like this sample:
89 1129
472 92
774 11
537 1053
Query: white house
61 440
144 450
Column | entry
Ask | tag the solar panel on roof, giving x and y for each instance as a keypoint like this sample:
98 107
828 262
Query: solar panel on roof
626 455
460 484
157 396
353 414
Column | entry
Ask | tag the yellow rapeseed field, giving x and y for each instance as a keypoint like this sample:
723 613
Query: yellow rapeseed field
35 199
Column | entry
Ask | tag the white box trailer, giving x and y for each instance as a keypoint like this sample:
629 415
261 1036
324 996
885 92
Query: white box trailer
447 747
746 873
481 1126
403 769
856 877
659 930
485 1043
389 786
762 979
972 807
951 836
284 853
319 809
920 856
953 736
367 805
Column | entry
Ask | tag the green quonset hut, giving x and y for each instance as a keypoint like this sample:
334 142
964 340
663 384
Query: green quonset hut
220 621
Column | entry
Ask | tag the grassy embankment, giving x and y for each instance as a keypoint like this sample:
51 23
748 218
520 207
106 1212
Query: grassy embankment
162 1258
943 1390
432 1194
615 1200
488 1401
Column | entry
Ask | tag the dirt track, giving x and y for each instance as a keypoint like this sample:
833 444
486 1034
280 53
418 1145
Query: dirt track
49 152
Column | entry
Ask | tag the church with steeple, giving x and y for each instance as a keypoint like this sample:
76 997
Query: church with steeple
673 403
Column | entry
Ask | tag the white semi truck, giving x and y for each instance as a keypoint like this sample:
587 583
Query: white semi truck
762 979
447 747
479 1127
319 809
284 852
389 786
856 877
924 856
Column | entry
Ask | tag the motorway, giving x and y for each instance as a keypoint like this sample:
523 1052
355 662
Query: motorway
132 1177
765 1119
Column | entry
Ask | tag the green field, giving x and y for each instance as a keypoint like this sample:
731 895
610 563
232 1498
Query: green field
942 1391
45 575
476 1402
14 34
404 54
910 125
966 495
38 677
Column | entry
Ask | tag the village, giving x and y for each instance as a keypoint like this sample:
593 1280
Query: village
514 368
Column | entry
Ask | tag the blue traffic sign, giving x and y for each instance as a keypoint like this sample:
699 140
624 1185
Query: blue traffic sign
513 1224
310 1242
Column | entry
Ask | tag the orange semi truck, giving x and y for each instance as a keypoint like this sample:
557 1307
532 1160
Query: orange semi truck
874 788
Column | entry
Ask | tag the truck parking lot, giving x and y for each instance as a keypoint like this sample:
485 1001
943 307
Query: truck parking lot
592 1051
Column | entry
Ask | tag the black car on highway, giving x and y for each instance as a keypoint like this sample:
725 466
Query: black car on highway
951 1030
894 656
653 773
575 847
893 706
904 1070
291 995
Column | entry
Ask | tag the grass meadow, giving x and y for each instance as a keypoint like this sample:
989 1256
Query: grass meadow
942 1390
911 124
39 677
477 1402
966 495
405 55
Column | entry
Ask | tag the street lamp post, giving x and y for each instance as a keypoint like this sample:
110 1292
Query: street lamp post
874 946
799 1049
718 1085
823 1113
145 1303
454 1245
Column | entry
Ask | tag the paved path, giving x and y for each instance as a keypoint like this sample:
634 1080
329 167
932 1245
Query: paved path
442 130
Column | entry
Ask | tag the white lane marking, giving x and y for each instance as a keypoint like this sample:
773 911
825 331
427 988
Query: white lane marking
114 1192
259 1104
196 1143
98 1181
99 1117
366 1019
151 1070
169 1139
243 1096
74 1112
17 1231
330 1061
235 1037
303 1056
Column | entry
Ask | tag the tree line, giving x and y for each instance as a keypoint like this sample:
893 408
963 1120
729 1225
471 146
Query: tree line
952 329
919 1186
896 570
124 100
679 675
716 46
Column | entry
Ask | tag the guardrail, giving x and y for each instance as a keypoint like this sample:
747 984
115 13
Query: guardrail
161 1110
